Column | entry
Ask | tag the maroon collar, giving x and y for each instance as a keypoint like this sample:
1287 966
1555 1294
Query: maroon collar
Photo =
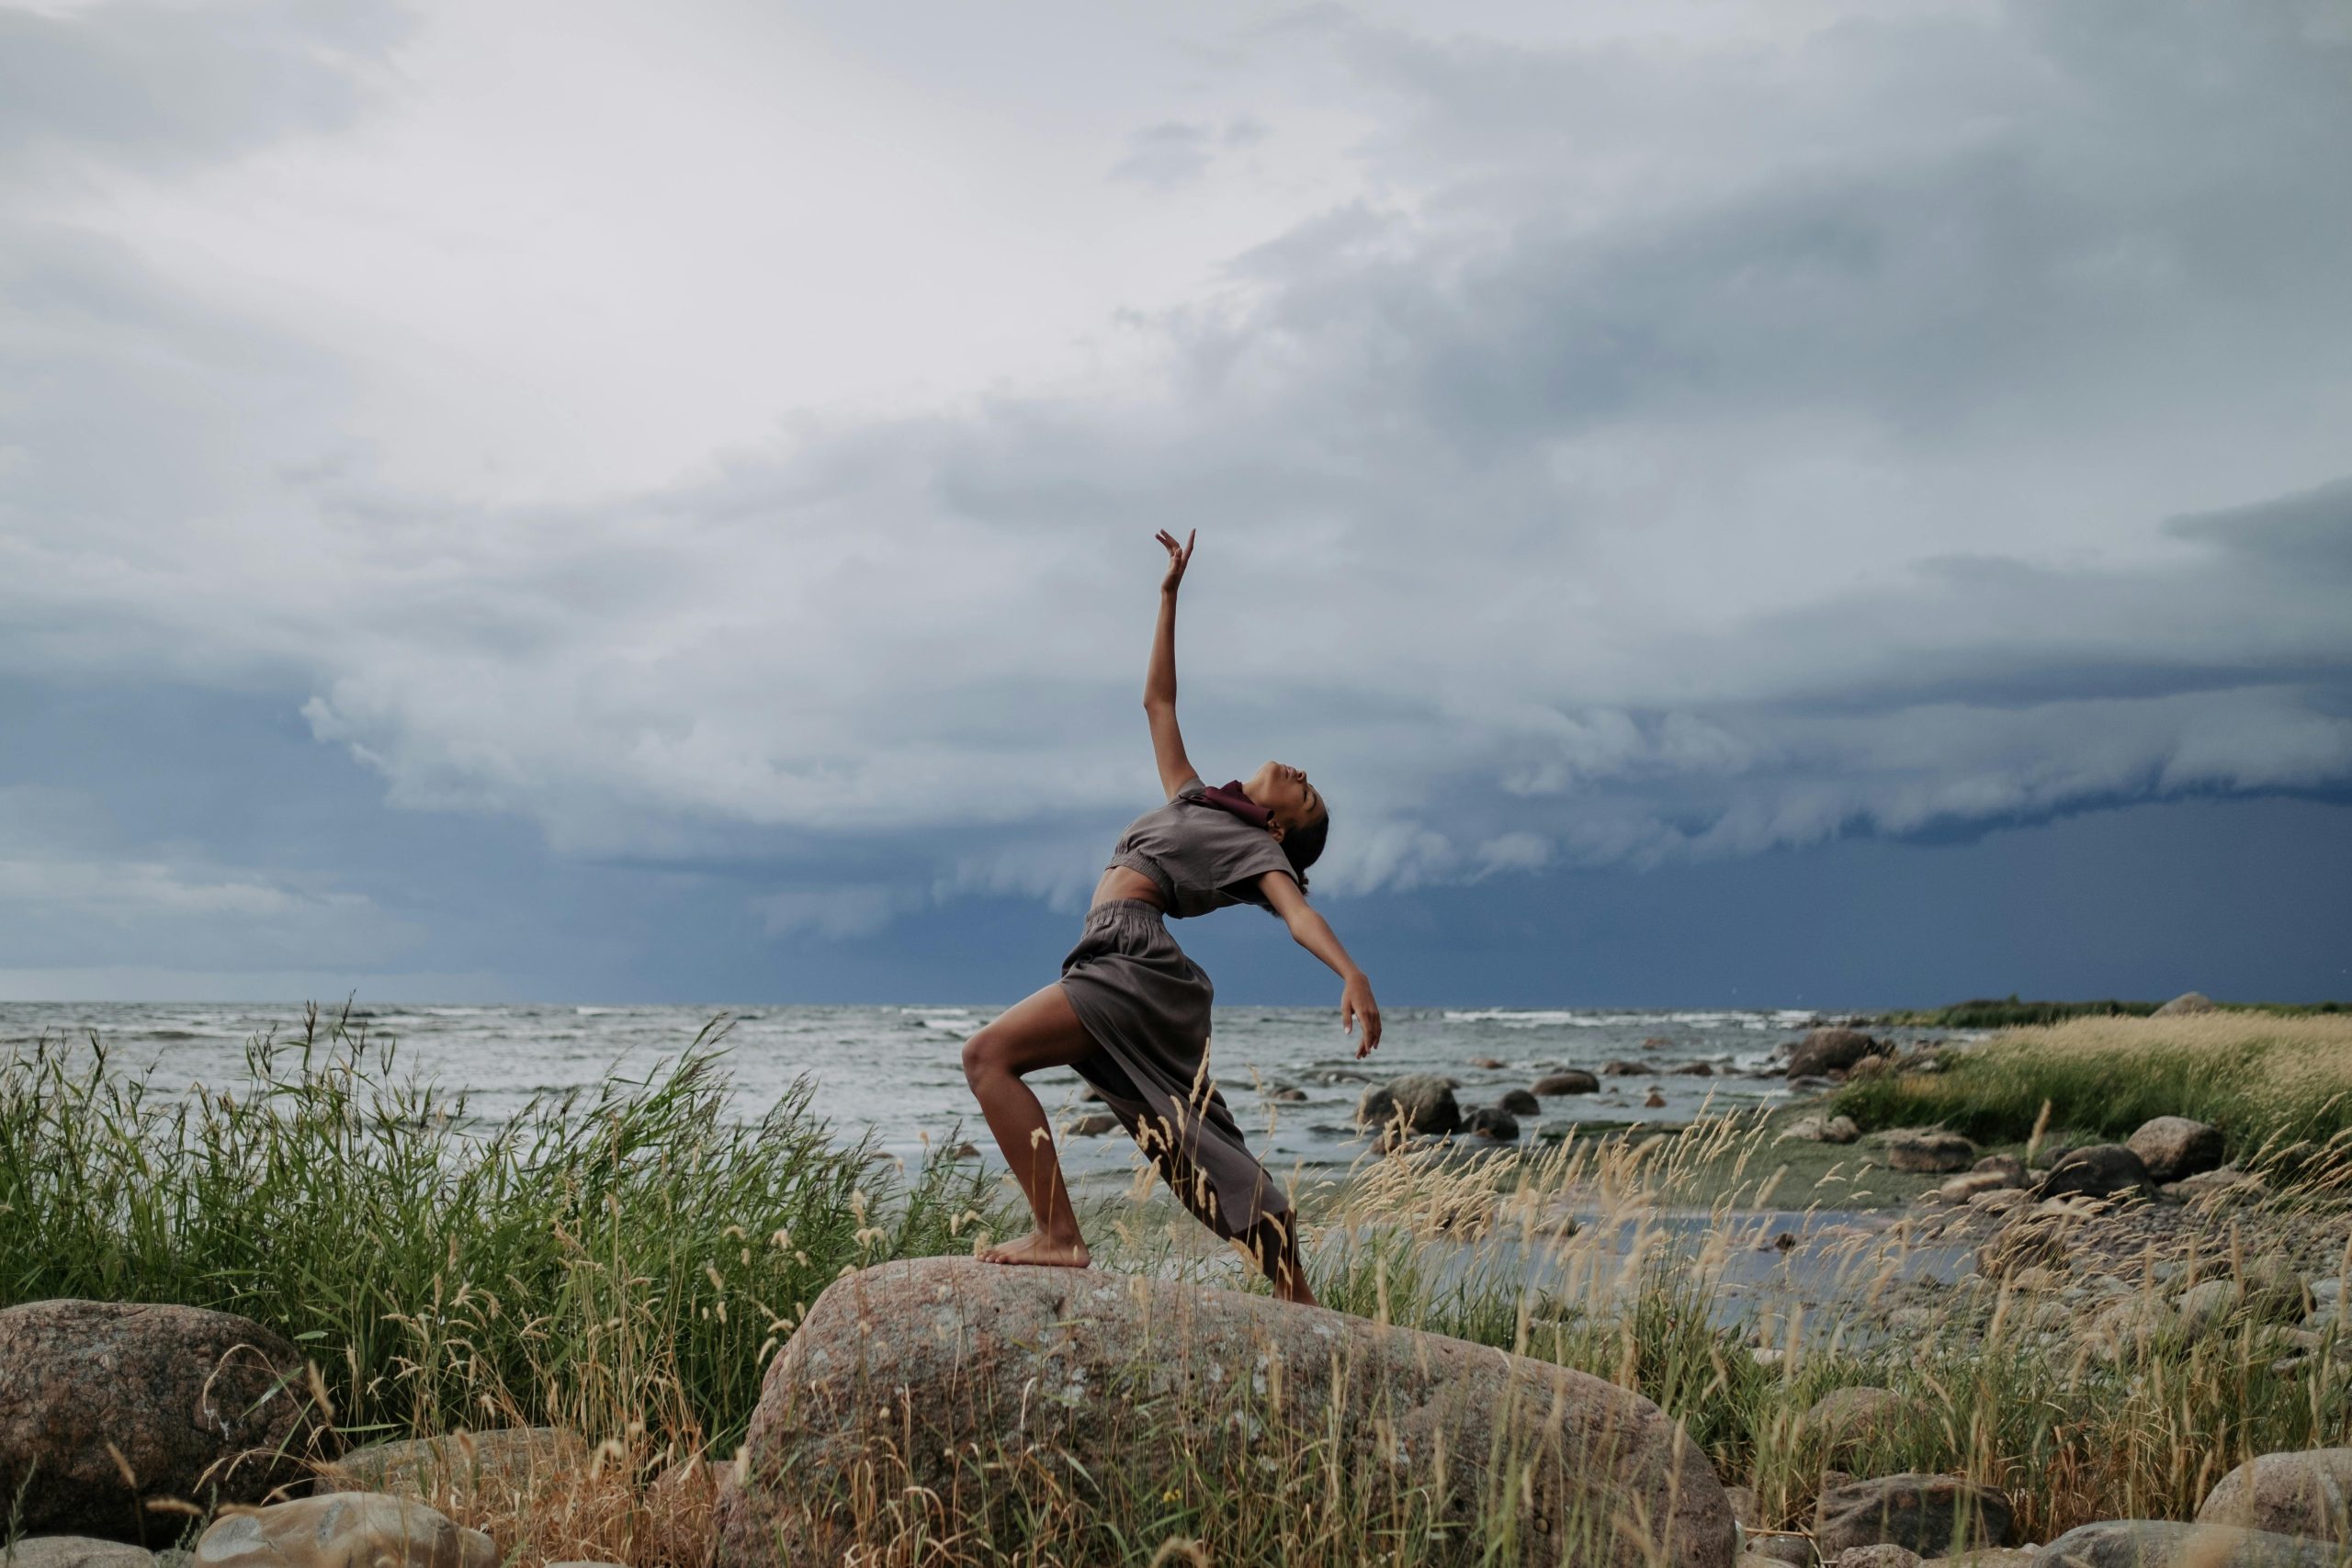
1230 797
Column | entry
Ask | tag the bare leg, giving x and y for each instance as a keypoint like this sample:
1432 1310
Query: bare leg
1040 1030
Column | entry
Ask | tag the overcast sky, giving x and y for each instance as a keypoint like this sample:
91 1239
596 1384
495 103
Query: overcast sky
1794 504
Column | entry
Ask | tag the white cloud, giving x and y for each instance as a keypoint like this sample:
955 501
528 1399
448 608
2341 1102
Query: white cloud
1724 433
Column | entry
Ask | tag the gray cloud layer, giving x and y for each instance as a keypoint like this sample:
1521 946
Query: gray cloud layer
1932 421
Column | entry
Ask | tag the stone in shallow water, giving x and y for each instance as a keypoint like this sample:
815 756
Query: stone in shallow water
1570 1081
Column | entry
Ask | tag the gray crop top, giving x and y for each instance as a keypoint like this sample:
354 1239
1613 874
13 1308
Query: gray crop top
1203 858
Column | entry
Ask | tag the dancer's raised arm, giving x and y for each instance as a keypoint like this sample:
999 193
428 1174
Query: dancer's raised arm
1313 932
1159 681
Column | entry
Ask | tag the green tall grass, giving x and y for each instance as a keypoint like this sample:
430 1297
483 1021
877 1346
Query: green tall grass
2274 1085
631 1252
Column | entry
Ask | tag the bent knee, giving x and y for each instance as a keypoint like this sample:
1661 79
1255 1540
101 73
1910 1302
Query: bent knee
982 1057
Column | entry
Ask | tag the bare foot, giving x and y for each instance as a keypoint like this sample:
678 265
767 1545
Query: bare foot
1040 1251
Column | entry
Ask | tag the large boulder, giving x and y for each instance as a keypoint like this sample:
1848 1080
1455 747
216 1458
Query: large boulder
2166 1544
1425 1101
1931 1515
2174 1148
937 1382
2186 1003
345 1530
2307 1493
201 1406
1519 1102
2099 1170
1568 1080
1830 1050
1929 1153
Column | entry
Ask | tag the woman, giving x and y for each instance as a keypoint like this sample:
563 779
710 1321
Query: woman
1131 1013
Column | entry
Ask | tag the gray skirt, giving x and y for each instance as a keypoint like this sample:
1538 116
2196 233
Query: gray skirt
1145 1005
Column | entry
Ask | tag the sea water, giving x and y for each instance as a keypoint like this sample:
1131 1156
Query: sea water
895 1070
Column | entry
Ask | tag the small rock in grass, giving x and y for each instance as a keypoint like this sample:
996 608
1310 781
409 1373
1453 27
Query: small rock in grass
1938 1514
1571 1081
2028 1241
499 1466
2173 1148
2287 1494
2227 1180
1929 1152
1777 1547
2168 1543
2010 1168
1880 1554
2101 1170
2274 1292
344 1529
76 1551
2205 1305
1850 1417
2126 1329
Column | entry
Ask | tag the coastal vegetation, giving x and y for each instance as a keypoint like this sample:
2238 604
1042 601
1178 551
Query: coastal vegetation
2278 1087
632 1246
2008 1013
624 1264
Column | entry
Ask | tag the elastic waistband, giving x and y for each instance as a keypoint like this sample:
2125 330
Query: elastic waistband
1124 908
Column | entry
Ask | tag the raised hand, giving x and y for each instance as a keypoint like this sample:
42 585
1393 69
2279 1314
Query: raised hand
1179 558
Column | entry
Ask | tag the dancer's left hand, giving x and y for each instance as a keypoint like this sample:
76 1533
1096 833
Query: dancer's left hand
1356 1003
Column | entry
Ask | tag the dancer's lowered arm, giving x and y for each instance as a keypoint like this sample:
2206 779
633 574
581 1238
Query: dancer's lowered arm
1313 932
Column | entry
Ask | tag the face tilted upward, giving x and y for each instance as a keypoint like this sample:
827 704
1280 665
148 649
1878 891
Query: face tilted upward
1287 793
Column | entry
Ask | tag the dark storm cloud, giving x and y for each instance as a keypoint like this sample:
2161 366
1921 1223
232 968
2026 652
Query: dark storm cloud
1678 452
